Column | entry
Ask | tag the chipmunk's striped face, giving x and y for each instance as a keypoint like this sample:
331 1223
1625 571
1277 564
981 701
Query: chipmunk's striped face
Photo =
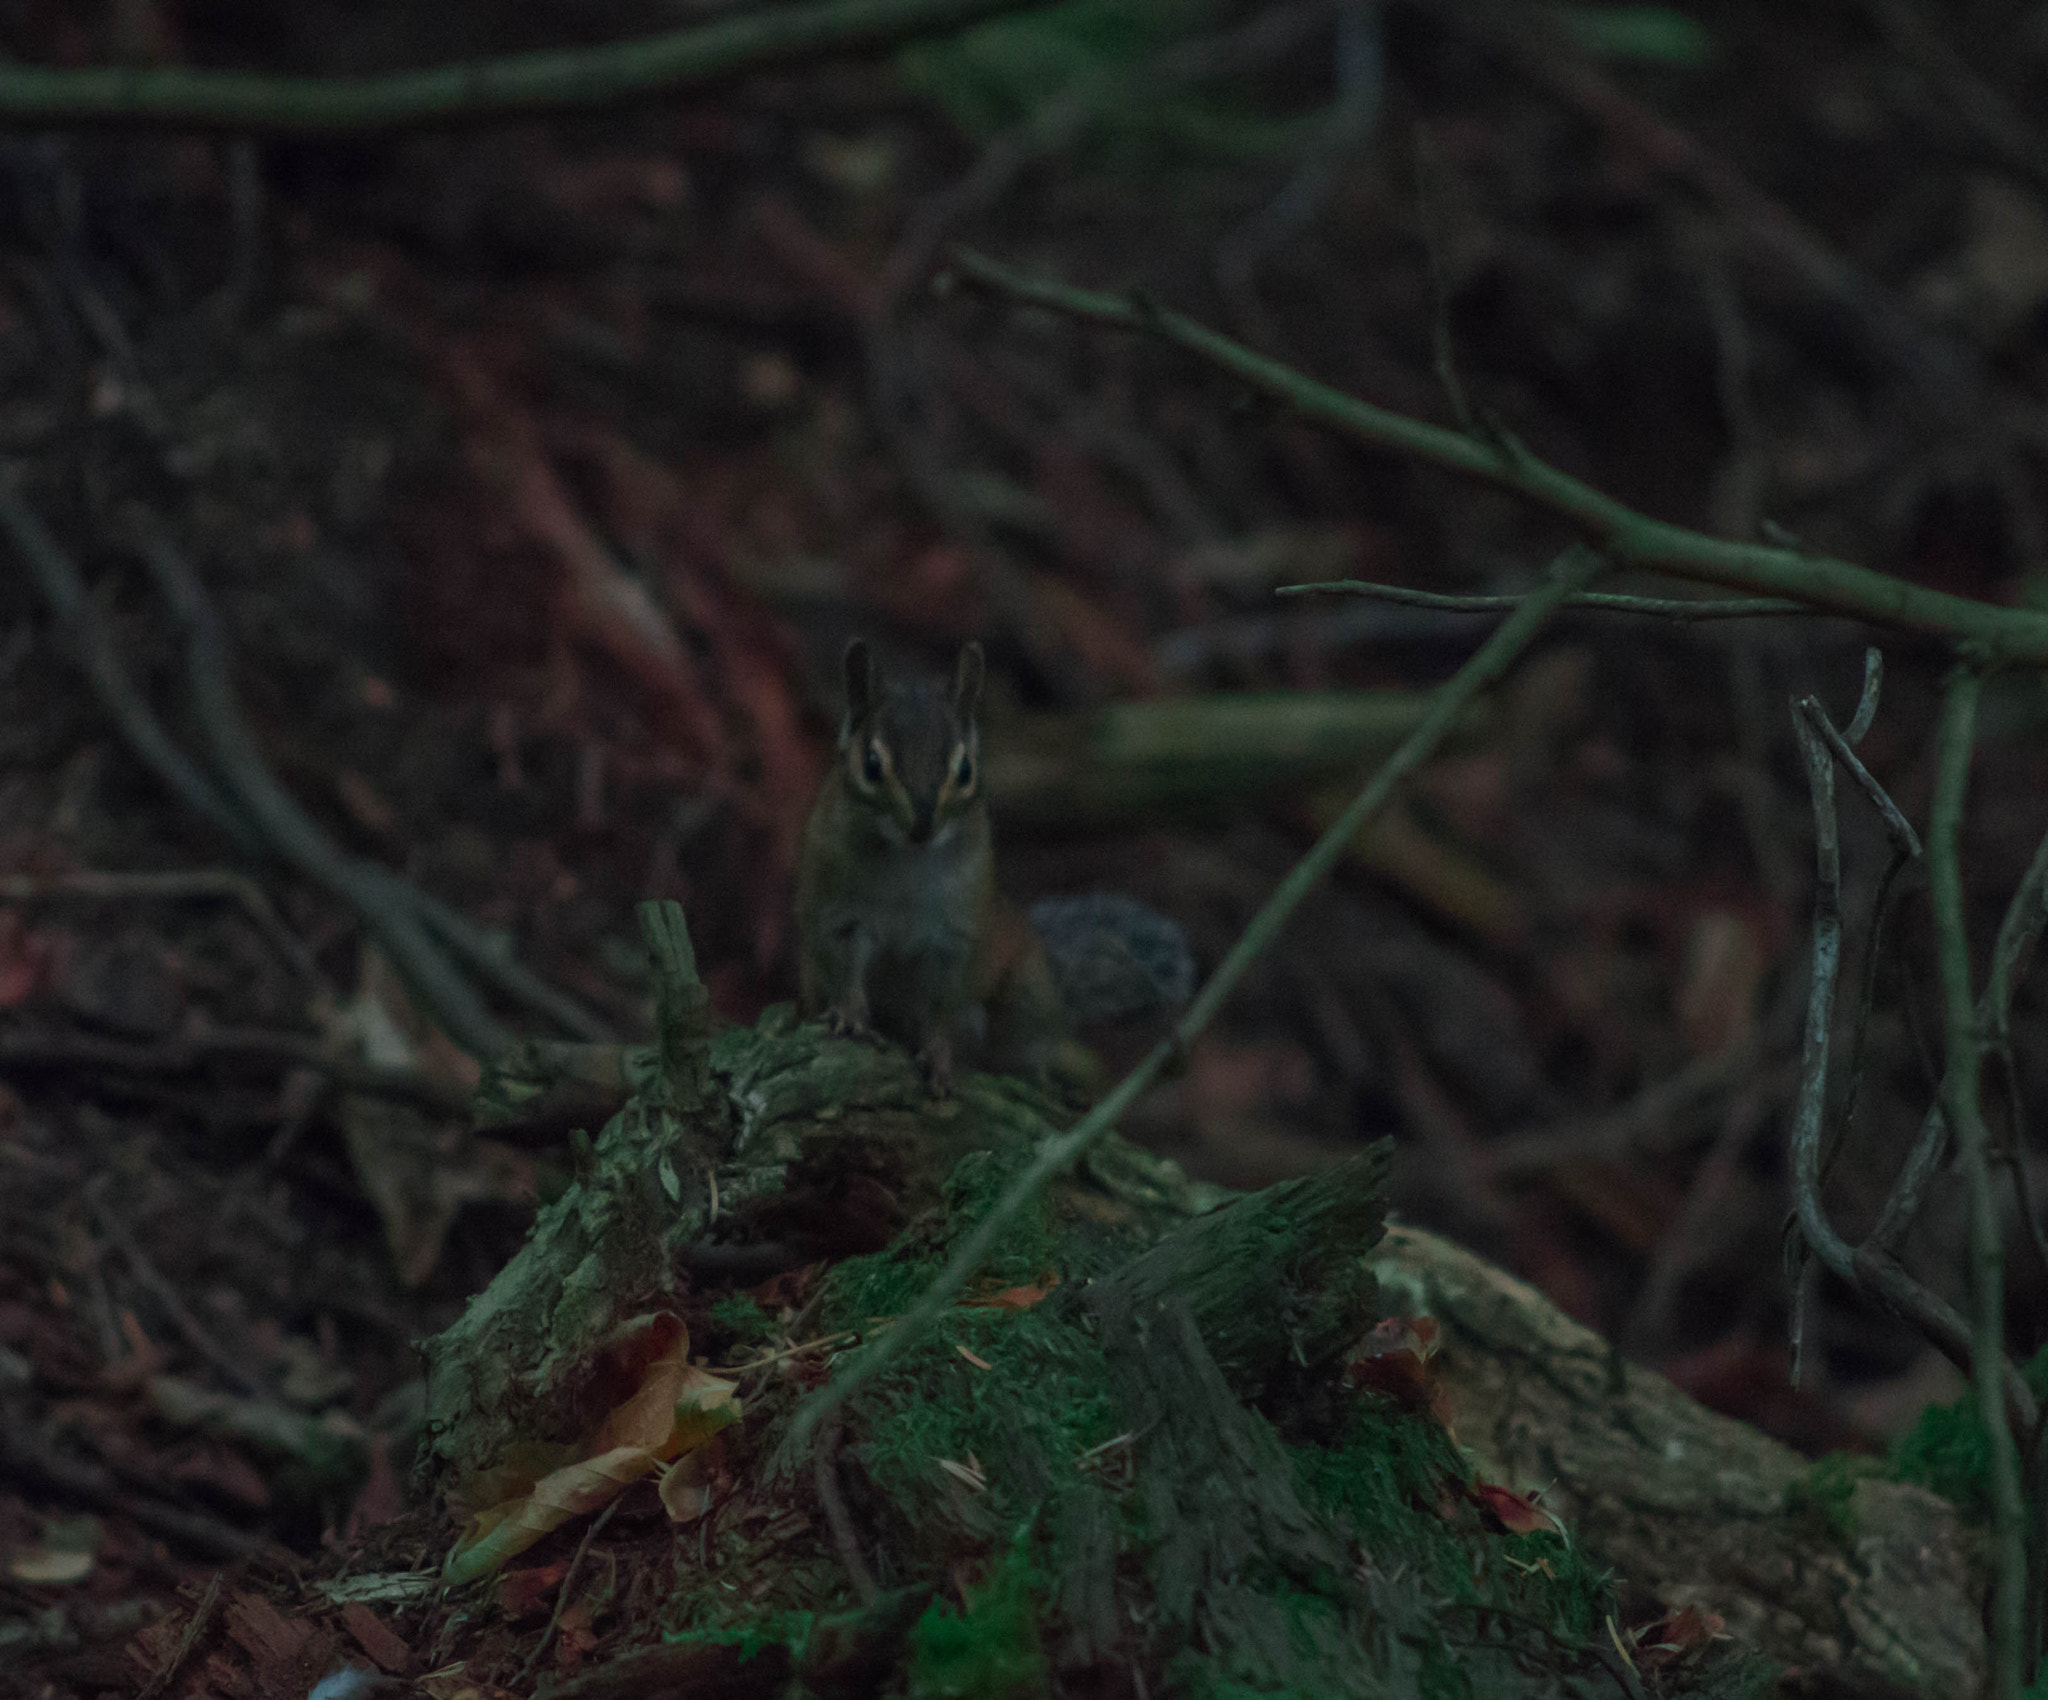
911 746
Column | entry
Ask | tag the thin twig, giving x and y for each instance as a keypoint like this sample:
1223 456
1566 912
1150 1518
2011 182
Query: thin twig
293 834
1359 72
1660 607
1948 372
1809 1116
194 1331
121 885
493 959
1888 890
2018 932
1960 1100
576 79
796 1351
1966 98
1429 207
259 815
562 1593
1671 1108
1895 820
1571 573
82 630
1628 538
1866 705
825 1479
25 1460
21 1049
197 1623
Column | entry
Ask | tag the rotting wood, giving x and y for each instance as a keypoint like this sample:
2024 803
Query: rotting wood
1689 1506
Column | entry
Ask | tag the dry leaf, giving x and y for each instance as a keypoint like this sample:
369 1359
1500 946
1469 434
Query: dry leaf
670 1408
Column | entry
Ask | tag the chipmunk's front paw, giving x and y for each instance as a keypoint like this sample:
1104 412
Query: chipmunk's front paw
850 1021
935 1063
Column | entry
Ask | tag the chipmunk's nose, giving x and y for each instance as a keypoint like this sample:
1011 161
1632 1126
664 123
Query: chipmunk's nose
921 823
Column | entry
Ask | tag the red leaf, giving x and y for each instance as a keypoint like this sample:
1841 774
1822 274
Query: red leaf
1677 1635
1394 1360
1517 1513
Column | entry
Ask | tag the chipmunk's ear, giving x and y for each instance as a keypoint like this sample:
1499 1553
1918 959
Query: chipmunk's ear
968 673
859 667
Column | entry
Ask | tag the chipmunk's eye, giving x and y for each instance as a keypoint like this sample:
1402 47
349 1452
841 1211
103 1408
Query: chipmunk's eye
963 771
871 765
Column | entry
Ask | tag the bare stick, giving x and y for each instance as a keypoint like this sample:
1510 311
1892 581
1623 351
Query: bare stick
1571 573
520 85
1661 607
1961 1104
120 885
194 1331
1429 206
1628 538
1895 820
1866 705
2018 933
1810 1114
32 1049
295 835
825 1478
487 956
562 1592
93 649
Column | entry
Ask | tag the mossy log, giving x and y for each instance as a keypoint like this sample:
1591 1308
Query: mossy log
1132 1455
1859 1585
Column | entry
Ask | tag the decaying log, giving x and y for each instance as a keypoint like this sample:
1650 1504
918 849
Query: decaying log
1884 1598
1162 1466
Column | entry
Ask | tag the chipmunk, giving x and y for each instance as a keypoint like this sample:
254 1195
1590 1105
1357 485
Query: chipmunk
903 934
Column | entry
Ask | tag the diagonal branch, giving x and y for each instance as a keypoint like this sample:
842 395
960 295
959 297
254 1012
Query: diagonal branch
1628 538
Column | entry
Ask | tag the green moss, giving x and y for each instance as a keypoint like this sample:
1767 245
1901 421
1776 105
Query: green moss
743 1322
1946 1449
1011 69
861 1289
991 1651
1406 1594
1824 1493
789 1629
1391 1478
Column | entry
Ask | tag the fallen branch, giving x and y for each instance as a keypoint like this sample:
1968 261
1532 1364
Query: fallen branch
523 85
93 649
32 1049
121 885
295 836
1626 537
1660 607
245 801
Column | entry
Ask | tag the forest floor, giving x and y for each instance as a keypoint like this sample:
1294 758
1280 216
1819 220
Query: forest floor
539 473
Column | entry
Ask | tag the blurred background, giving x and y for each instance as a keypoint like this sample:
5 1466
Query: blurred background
539 472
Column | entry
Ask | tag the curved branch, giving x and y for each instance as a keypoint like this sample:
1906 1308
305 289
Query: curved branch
1627 538
575 79
478 91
